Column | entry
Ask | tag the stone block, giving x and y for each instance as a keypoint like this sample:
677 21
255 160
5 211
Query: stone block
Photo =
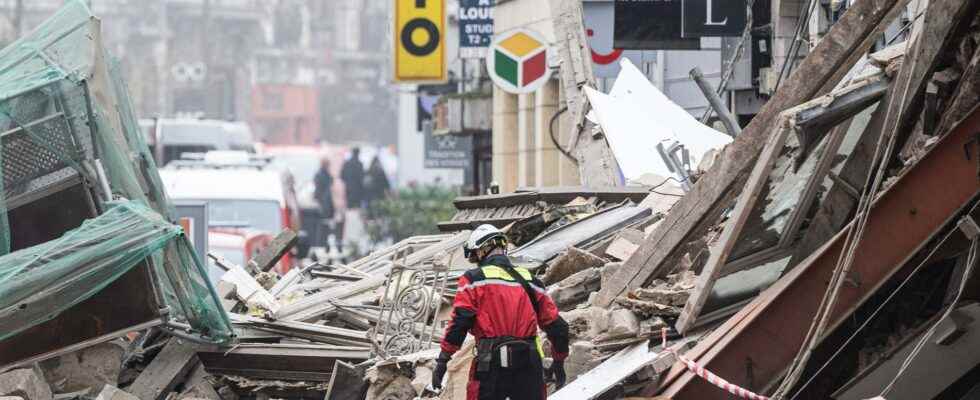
582 357
663 296
586 323
25 383
110 392
89 368
576 288
568 263
622 324
202 390
608 271
625 244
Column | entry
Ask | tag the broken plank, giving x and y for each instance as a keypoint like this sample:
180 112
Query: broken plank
272 253
596 163
312 332
166 371
628 361
314 305
743 208
848 39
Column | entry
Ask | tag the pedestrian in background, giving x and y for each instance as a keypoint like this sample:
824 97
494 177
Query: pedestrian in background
322 184
352 174
376 184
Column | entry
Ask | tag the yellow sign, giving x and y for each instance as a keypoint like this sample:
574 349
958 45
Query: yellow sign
420 41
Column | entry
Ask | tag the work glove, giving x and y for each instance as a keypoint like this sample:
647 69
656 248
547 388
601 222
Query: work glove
440 371
556 373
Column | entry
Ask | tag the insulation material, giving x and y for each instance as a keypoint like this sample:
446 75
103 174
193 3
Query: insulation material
636 116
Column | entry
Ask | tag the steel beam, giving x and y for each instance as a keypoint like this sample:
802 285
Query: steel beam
768 333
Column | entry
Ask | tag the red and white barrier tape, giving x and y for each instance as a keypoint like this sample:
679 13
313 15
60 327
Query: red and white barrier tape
710 377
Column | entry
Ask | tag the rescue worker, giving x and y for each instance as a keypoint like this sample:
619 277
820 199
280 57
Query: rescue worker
502 306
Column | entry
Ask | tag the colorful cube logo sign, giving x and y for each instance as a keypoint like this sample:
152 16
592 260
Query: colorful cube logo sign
518 61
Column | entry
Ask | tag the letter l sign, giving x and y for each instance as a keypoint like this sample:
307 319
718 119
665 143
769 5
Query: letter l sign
709 21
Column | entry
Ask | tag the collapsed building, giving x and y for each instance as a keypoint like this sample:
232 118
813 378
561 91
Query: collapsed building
827 252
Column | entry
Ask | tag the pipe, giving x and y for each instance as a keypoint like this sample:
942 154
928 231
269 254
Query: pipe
731 124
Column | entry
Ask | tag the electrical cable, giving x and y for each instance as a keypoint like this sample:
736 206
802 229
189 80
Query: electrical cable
855 234
970 262
867 321
554 139
669 178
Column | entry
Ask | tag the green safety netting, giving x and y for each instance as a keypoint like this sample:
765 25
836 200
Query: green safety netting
65 114
42 281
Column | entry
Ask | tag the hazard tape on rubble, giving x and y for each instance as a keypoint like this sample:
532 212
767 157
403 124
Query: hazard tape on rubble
710 377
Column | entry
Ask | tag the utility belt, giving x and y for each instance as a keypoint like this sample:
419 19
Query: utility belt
507 352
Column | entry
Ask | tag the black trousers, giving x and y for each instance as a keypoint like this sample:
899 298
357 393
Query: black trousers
512 383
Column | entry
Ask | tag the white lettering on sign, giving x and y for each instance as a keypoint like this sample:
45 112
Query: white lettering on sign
710 21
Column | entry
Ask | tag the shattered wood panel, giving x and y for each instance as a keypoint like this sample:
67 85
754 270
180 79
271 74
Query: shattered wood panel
847 40
740 215
799 172
903 219
841 199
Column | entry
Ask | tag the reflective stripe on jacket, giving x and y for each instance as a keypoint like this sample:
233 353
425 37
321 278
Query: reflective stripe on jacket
491 303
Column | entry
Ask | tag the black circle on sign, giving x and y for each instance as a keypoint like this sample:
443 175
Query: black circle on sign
429 46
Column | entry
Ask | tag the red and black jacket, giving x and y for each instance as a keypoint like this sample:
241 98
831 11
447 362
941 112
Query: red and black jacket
491 303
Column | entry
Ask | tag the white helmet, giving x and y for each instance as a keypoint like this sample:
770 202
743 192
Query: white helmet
481 236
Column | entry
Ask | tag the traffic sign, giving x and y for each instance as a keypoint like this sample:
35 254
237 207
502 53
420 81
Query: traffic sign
420 41
518 61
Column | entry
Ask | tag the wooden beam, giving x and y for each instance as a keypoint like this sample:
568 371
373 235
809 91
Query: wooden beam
596 163
169 367
269 256
924 201
743 208
847 41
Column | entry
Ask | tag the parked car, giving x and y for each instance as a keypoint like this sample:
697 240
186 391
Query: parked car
169 138
242 195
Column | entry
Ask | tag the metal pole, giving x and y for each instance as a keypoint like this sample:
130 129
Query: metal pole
731 124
